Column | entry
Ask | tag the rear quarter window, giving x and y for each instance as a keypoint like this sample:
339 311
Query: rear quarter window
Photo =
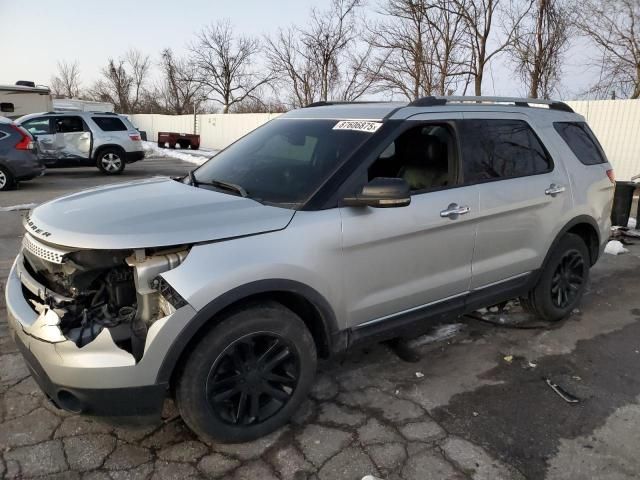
582 142
110 124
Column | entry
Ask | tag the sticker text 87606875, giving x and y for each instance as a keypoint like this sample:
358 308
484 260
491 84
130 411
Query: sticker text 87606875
359 125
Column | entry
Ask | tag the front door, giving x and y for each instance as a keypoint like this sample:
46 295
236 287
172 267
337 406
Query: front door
404 259
74 136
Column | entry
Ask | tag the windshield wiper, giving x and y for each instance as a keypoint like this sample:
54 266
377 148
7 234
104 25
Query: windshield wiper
225 186
192 179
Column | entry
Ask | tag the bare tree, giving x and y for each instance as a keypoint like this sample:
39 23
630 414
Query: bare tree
329 34
326 60
447 31
123 82
420 47
224 64
258 104
405 51
293 72
479 17
614 27
539 44
66 84
179 92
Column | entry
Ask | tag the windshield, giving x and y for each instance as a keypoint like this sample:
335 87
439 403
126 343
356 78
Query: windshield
284 161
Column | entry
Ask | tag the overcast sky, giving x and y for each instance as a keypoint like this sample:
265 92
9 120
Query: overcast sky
39 33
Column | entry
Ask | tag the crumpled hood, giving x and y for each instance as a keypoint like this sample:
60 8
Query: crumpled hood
150 213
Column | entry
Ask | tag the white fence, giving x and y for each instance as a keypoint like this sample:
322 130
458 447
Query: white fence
616 123
216 130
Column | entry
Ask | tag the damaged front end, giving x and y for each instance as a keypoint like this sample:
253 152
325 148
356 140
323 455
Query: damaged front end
85 295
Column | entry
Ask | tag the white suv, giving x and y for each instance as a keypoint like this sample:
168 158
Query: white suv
79 139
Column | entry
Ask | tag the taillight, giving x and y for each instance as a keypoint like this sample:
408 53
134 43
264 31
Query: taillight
611 175
26 141
135 137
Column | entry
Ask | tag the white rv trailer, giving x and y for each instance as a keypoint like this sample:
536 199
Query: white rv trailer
77 105
18 100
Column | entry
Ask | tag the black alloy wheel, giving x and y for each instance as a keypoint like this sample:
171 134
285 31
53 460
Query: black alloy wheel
253 379
562 281
568 279
247 374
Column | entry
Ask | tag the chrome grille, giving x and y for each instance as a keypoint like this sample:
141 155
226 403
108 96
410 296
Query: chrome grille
45 252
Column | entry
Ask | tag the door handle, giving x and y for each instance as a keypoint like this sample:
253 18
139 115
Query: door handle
554 189
454 210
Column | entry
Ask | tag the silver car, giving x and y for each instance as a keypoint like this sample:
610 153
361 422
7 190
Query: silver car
80 139
328 227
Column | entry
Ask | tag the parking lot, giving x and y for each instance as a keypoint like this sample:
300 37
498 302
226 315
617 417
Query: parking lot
476 405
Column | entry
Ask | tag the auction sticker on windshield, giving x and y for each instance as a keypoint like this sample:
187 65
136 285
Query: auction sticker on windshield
359 125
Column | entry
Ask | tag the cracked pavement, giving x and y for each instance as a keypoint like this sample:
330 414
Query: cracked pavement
475 406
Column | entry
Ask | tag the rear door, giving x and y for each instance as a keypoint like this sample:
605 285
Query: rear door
523 195
42 130
74 136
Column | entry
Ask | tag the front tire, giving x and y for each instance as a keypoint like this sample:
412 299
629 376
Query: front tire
111 161
7 182
247 375
562 282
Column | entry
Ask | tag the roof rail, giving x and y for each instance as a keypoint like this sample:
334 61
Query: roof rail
518 102
323 103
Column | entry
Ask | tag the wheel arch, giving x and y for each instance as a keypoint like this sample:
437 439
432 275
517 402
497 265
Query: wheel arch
586 228
102 148
303 300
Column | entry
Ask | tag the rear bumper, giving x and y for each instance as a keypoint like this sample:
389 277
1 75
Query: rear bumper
35 172
134 156
25 165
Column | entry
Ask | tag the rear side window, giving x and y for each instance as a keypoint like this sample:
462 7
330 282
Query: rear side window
110 124
499 149
581 141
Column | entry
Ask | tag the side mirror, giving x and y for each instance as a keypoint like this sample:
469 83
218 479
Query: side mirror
381 193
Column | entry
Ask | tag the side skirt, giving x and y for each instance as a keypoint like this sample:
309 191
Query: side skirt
415 322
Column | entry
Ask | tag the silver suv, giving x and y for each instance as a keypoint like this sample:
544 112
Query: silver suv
79 139
328 227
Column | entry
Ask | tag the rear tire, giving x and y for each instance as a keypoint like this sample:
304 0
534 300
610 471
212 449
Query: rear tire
247 375
111 161
7 181
562 281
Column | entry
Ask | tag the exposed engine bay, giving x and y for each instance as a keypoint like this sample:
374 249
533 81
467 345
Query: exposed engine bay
87 291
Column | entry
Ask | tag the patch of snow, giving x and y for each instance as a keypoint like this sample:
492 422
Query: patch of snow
615 247
443 332
23 206
632 223
195 157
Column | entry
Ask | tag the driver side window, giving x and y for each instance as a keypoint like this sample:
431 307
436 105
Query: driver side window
422 156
